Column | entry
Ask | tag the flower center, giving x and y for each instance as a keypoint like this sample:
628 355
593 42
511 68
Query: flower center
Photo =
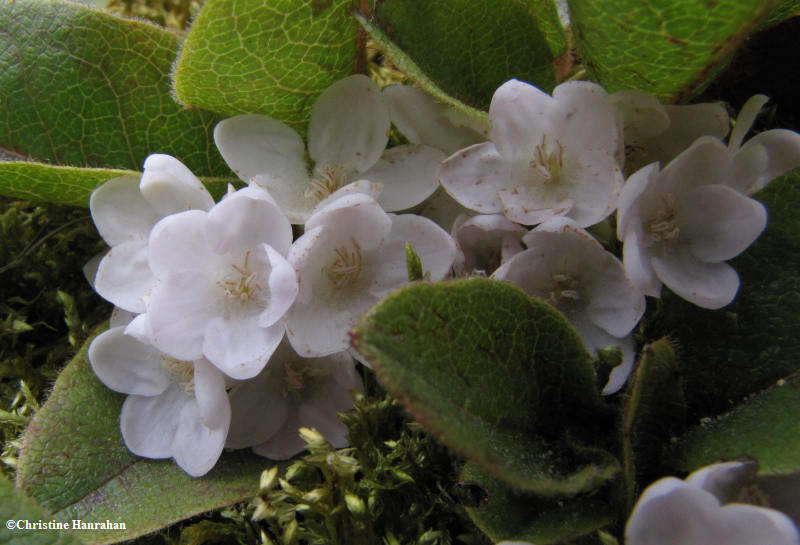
564 287
241 285
184 370
297 373
662 225
346 266
326 181
548 161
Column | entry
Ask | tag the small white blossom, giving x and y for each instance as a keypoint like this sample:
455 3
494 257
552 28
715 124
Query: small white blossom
569 269
293 392
351 255
174 409
347 137
679 225
223 284
124 210
696 512
548 156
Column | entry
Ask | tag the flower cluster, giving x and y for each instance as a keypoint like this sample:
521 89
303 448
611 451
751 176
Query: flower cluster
232 333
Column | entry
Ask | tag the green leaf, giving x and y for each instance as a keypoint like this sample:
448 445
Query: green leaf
785 9
666 47
15 506
470 48
765 428
496 375
84 88
508 515
74 463
413 264
70 185
406 64
728 354
272 58
654 412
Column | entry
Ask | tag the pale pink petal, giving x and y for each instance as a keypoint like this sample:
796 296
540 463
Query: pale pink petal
255 144
119 211
127 366
349 125
718 223
474 175
707 285
124 277
408 175
170 187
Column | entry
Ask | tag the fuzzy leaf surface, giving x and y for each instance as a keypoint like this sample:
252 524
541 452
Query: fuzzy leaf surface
496 375
765 427
666 47
470 48
38 182
85 88
15 506
272 58
509 515
75 465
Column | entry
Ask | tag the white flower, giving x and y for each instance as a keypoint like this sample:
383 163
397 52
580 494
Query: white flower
423 120
352 254
659 132
679 225
124 210
293 392
569 269
487 240
764 157
694 512
549 156
223 284
347 136
174 409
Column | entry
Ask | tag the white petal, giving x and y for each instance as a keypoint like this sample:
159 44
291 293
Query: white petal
748 168
319 329
170 187
725 480
349 125
442 209
292 196
262 396
238 347
748 524
718 223
124 277
744 121
241 222
628 210
282 288
209 391
286 442
138 327
255 144
488 240
125 365
707 285
120 212
642 113
90 268
586 120
120 317
423 120
594 188
636 259
432 244
148 424
783 153
519 114
619 375
614 303
706 162
359 186
179 243
408 175
197 447
180 307
474 175
357 215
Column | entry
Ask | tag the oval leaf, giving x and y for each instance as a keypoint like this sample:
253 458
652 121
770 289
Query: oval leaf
495 374
272 58
75 465
670 48
86 88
